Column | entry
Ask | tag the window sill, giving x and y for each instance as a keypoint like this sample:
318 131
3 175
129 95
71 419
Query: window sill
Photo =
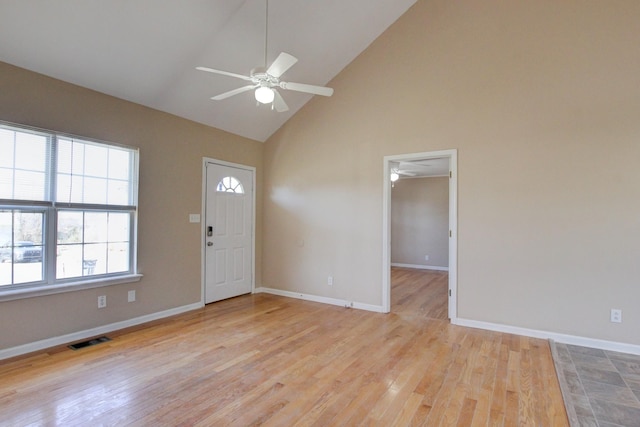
38 291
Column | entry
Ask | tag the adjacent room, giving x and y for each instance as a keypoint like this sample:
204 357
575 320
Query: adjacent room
247 212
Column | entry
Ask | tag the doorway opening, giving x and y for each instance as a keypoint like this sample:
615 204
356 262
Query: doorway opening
446 159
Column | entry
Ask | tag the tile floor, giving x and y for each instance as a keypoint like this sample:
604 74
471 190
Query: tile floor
600 388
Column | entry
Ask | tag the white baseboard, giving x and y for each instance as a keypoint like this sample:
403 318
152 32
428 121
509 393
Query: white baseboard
324 300
420 267
75 336
561 338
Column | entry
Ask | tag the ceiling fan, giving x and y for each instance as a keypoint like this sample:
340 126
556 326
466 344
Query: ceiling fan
266 81
402 169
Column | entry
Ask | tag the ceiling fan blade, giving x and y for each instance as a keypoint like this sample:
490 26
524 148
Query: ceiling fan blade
233 92
224 73
278 103
283 62
301 87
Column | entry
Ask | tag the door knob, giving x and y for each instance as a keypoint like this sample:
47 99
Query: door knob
209 243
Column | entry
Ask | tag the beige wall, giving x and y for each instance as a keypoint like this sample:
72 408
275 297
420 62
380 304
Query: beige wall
171 152
542 100
420 221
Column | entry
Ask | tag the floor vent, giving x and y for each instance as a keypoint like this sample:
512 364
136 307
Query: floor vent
89 343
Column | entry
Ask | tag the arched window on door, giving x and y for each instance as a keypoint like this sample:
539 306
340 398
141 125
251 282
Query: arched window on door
229 184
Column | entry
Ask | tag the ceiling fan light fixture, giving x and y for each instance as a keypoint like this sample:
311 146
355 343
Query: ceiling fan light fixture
265 79
264 95
394 176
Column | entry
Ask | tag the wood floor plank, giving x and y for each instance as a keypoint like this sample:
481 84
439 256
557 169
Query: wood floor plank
467 412
408 410
490 351
273 361
526 393
498 402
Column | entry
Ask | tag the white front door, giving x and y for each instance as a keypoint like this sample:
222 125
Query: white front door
228 231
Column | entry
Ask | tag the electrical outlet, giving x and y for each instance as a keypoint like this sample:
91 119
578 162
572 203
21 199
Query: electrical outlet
426 257
131 296
616 315
330 280
102 301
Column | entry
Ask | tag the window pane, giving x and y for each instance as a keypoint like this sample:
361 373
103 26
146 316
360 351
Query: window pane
70 227
31 152
118 258
118 193
28 227
95 160
6 148
95 259
95 191
119 164
6 183
70 157
101 174
119 227
6 233
69 261
29 185
230 184
21 246
69 189
95 227
23 164
92 243
63 188
81 260
6 226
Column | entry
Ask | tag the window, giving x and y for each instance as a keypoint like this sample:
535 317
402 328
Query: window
67 210
229 184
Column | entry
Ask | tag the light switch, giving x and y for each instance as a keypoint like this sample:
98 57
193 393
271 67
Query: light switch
195 218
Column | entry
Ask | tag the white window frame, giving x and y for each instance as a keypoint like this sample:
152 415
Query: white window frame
49 284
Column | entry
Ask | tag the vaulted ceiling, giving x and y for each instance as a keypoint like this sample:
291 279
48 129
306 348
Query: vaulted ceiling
146 51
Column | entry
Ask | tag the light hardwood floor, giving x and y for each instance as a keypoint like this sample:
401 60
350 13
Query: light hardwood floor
269 360
420 293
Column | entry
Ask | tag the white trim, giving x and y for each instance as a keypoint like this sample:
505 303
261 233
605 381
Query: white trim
323 300
453 239
420 267
203 216
90 283
87 333
453 225
561 338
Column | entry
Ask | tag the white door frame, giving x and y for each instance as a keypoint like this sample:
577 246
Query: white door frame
203 217
453 225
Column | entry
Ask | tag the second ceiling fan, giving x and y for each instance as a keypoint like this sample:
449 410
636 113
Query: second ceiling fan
266 81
